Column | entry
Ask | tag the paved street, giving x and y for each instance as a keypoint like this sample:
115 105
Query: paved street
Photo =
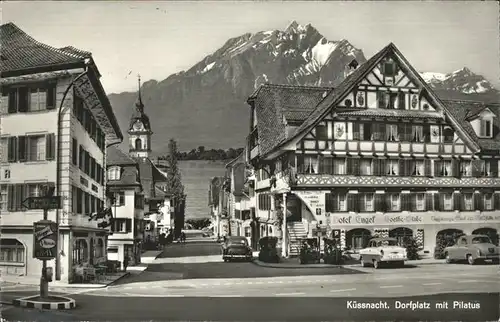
192 275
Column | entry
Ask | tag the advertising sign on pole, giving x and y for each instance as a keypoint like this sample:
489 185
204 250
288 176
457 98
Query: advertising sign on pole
44 240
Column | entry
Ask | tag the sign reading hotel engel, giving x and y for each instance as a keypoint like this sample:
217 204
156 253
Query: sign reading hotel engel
372 219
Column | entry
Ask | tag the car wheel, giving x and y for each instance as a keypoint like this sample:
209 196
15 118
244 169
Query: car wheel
495 261
471 260
448 258
376 264
363 264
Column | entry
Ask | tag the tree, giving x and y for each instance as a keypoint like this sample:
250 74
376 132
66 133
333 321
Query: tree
175 187
199 223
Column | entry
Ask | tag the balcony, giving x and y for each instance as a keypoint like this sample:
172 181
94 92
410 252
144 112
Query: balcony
381 148
322 180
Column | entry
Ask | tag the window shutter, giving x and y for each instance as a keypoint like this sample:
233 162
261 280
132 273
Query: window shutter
427 133
82 157
477 168
74 151
335 201
429 198
496 201
23 99
51 97
321 165
12 101
406 201
402 167
437 204
437 168
382 166
351 202
4 103
50 146
128 225
428 168
479 201
355 167
387 202
456 201
455 168
22 144
10 197
441 202
376 167
328 165
379 202
12 149
355 131
494 168
19 197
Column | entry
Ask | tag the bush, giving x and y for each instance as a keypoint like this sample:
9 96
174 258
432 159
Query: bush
309 251
332 252
411 248
268 252
443 241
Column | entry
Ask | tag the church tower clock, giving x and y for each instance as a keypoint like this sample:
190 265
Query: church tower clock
139 130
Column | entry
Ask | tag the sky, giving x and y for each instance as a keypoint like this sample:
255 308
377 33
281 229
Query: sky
157 39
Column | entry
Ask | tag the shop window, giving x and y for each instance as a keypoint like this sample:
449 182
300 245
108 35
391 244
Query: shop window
357 238
80 251
401 234
11 251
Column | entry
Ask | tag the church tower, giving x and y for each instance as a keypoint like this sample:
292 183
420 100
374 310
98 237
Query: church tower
139 130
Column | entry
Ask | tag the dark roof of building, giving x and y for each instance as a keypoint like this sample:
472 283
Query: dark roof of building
150 175
115 156
276 105
21 52
464 111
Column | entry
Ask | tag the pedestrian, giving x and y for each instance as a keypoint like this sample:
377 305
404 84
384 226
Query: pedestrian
125 263
183 237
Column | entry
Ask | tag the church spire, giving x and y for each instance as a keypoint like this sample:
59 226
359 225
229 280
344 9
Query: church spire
139 103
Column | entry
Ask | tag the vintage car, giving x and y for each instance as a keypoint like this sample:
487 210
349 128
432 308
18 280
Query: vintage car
473 249
382 251
236 247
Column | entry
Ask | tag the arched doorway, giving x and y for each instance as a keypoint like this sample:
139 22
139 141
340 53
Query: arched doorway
490 232
357 238
401 234
448 235
12 251
138 144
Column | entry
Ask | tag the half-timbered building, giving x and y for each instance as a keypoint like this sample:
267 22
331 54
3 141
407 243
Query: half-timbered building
381 154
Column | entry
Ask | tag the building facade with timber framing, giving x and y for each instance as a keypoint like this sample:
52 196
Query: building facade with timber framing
380 154
56 125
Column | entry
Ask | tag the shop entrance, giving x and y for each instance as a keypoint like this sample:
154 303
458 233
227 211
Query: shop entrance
294 208
357 238
401 234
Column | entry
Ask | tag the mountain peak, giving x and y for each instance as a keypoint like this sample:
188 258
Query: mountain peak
292 26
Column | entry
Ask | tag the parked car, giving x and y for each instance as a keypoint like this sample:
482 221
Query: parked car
473 249
383 251
236 247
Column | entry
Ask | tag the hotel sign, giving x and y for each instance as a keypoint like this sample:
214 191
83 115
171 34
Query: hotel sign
401 219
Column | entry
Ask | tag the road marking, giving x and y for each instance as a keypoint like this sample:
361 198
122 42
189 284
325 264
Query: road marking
285 294
226 295
432 284
468 281
228 283
391 286
344 290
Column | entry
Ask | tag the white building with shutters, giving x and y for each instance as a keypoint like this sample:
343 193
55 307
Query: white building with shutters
56 124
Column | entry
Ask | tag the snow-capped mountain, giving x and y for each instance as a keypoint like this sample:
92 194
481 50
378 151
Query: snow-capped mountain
205 105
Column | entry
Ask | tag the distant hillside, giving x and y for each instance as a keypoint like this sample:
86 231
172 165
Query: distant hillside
195 177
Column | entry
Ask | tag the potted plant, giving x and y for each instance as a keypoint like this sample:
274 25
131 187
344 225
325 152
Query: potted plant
309 251
332 252
267 250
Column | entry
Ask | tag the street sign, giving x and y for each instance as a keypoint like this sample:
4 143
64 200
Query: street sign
53 202
336 233
44 239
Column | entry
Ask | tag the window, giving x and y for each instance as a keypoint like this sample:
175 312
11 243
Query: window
445 170
341 202
392 167
394 202
119 199
339 166
486 129
38 99
466 168
11 250
264 202
3 197
310 164
420 201
447 201
138 144
389 69
401 234
418 168
335 202
392 132
6 174
122 225
35 190
367 203
365 167
4 152
488 201
468 204
24 99
387 100
365 130
36 148
401 101
448 135
321 132
80 251
417 133
74 151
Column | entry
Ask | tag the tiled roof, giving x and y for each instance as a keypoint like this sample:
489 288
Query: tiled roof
277 104
115 156
149 176
20 51
463 110
129 177
406 114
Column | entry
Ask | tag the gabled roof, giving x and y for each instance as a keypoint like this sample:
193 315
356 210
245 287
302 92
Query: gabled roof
277 105
399 114
354 78
19 51
115 156
149 174
463 110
